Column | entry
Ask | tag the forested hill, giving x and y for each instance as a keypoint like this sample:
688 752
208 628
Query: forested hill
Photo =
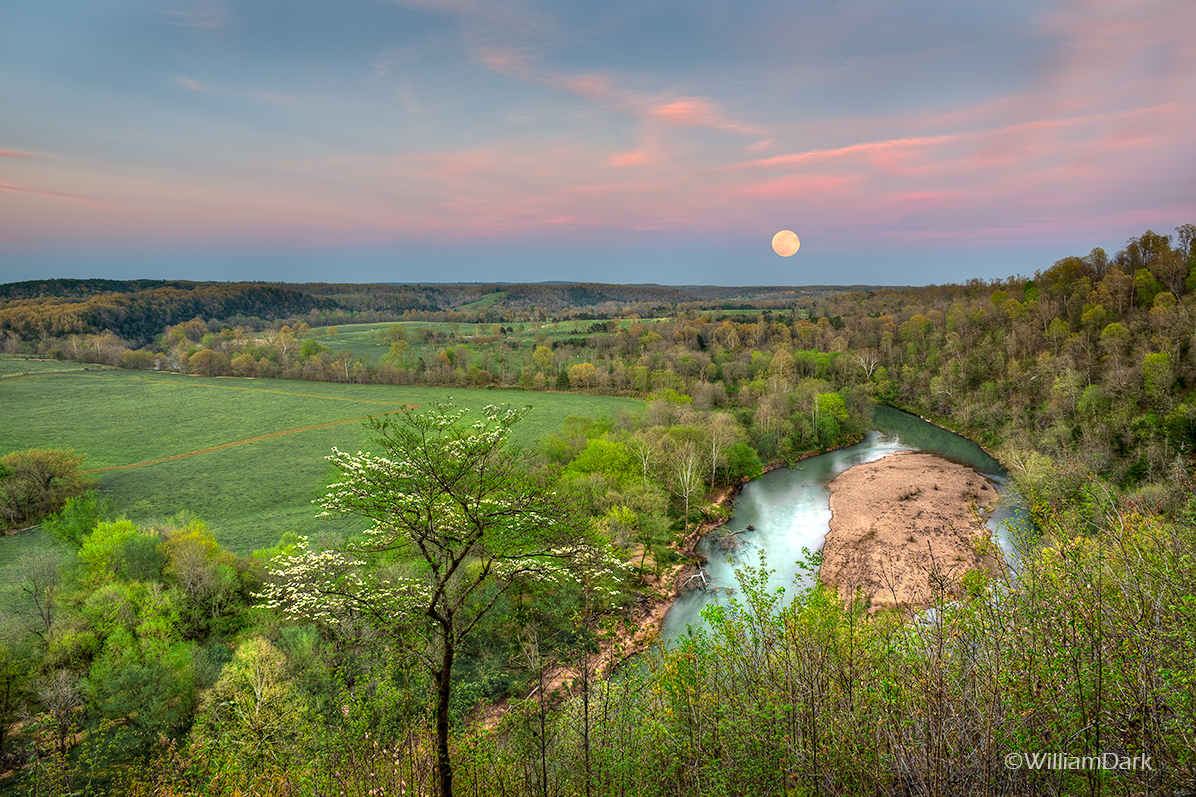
138 310
86 288
65 308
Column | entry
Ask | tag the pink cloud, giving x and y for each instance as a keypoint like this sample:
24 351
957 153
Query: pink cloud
926 198
517 60
593 87
635 157
1027 145
956 155
56 194
867 148
697 112
12 153
1109 105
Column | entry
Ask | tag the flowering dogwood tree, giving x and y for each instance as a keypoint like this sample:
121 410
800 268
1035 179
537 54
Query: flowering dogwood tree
456 520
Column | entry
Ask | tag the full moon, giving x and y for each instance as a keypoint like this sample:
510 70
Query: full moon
786 243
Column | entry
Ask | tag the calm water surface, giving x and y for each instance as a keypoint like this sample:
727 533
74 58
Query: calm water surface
790 507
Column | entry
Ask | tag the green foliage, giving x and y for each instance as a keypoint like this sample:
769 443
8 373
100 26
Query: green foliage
78 517
1146 287
816 695
456 521
36 483
671 396
1158 374
115 656
254 717
145 682
610 458
311 348
1180 425
18 664
742 462
833 405
212 585
104 553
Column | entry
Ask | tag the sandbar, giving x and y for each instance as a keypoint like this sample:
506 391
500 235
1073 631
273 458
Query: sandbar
900 525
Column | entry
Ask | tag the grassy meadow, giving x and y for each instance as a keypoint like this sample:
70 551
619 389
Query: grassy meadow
245 455
11 367
366 340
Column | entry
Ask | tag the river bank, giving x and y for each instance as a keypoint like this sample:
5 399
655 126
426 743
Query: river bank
904 528
797 522
727 496
945 428
642 624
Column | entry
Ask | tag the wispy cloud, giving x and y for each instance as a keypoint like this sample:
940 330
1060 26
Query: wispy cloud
648 109
20 189
511 40
863 149
273 98
646 152
207 15
27 156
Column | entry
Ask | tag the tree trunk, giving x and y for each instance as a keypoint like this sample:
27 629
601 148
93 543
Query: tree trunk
444 684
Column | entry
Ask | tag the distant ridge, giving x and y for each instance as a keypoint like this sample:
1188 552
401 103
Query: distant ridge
835 288
139 310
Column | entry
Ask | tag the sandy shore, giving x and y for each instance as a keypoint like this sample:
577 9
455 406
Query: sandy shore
900 520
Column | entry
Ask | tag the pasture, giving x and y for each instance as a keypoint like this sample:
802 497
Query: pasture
366 341
12 367
245 455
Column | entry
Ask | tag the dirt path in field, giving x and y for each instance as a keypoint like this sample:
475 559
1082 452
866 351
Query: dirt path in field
210 449
178 380
16 377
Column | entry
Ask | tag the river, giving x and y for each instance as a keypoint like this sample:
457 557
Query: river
790 507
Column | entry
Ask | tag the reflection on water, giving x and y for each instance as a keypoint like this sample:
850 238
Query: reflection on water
790 508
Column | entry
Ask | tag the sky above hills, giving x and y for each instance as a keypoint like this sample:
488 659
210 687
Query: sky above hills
917 142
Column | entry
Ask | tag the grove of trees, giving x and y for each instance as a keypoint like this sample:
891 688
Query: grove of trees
37 483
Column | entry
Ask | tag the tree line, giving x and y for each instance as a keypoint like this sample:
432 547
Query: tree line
137 310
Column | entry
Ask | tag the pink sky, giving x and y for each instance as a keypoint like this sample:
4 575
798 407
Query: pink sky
459 141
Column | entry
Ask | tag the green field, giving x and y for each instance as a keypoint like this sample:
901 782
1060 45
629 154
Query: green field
361 339
11 366
245 456
365 340
486 301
